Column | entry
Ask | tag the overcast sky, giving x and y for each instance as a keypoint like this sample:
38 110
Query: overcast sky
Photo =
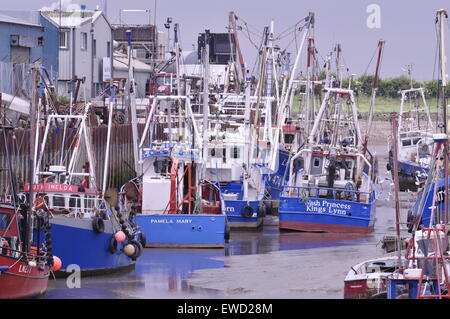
407 26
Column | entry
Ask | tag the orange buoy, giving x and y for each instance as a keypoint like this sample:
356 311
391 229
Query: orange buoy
57 263
5 244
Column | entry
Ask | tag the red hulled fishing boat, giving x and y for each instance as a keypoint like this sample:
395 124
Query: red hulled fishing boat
25 261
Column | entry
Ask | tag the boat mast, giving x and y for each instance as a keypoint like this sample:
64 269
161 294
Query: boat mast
178 78
374 93
338 104
440 16
108 138
35 71
205 54
283 108
309 109
232 21
270 78
248 142
132 104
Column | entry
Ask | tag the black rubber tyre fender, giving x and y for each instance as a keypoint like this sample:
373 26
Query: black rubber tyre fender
98 225
143 239
247 211
262 210
112 245
227 232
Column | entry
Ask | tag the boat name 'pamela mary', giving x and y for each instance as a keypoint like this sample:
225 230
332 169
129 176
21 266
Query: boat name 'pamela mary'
170 221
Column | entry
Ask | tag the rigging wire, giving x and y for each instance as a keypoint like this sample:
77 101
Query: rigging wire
370 62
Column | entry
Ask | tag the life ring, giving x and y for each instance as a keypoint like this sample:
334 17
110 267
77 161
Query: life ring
247 211
98 225
5 248
112 245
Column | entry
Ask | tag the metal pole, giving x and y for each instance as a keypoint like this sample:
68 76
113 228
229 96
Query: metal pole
394 119
205 99
446 182
108 142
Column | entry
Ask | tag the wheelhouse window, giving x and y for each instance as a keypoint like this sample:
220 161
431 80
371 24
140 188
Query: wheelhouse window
161 166
89 202
289 138
349 164
4 221
59 201
235 152
217 152
316 162
406 142
75 201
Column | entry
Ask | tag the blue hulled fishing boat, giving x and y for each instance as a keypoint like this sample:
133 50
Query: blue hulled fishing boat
87 233
334 190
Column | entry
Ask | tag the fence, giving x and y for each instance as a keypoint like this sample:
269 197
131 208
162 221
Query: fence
15 79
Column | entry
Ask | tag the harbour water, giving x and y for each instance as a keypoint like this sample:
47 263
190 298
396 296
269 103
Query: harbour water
163 273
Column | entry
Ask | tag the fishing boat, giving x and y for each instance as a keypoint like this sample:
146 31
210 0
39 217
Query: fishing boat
367 280
241 182
25 261
88 234
415 136
334 190
173 201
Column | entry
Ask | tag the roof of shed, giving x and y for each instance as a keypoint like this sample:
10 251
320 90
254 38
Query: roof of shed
12 20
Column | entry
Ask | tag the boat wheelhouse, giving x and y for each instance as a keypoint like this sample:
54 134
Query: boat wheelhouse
415 140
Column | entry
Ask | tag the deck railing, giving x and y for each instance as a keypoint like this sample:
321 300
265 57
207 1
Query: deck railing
306 192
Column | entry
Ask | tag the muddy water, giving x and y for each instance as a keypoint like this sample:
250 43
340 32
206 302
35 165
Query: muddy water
264 264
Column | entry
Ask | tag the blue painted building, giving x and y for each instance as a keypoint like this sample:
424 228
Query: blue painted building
26 37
